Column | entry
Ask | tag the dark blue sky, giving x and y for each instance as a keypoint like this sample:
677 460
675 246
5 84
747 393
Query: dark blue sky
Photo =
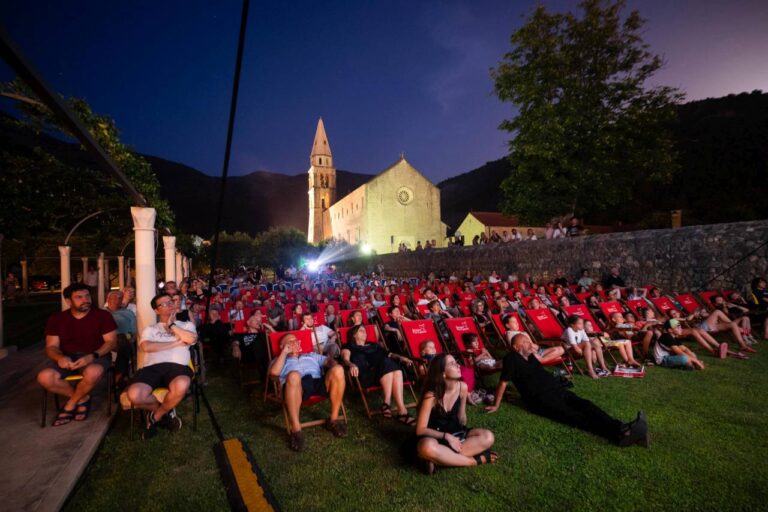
386 76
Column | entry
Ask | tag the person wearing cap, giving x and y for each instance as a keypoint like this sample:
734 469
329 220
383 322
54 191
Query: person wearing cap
670 352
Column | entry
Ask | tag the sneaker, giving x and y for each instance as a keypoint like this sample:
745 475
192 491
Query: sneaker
171 421
474 398
602 373
723 350
489 399
151 428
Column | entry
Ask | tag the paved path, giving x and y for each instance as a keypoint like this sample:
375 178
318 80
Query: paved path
41 465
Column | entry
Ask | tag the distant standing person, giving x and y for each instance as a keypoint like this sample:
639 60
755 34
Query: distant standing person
574 228
91 279
10 286
78 340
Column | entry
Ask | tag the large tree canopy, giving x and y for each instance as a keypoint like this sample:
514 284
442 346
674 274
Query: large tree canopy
589 132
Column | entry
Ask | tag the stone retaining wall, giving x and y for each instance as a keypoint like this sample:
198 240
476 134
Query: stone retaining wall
675 259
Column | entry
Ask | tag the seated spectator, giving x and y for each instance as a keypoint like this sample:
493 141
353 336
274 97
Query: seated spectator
636 293
759 293
166 364
443 436
129 299
584 279
480 315
545 395
515 236
251 346
482 359
701 336
504 306
614 294
736 303
530 235
78 340
558 231
294 323
216 333
303 375
560 278
620 337
428 296
544 355
670 352
576 340
323 337
438 316
718 321
372 364
237 313
275 313
356 318
126 335
451 308
332 320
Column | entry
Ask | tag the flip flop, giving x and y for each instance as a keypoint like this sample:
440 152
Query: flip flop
63 418
406 419
82 410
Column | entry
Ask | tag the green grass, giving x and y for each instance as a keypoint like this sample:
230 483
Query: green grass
708 452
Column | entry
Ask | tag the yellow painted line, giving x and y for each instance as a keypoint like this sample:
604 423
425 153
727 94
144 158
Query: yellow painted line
247 482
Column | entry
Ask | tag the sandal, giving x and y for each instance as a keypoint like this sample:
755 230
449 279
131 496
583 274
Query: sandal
386 410
296 442
82 410
406 419
487 457
63 418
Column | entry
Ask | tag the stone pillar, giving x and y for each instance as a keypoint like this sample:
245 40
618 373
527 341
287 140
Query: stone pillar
144 230
169 244
128 278
121 272
100 284
85 268
107 280
24 278
66 273
179 270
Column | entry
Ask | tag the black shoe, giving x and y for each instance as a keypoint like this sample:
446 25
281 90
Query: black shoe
151 429
171 421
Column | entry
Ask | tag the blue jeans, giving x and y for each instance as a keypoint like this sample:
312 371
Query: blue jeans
674 361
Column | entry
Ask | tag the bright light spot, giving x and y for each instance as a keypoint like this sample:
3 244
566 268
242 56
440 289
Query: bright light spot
366 249
313 265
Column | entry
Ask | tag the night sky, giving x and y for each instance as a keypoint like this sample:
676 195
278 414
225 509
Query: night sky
386 76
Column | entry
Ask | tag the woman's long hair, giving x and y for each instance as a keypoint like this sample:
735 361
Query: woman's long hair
352 332
435 381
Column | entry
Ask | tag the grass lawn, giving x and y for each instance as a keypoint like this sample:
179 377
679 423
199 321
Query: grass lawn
708 452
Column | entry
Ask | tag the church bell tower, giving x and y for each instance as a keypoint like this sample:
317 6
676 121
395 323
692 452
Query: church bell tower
322 184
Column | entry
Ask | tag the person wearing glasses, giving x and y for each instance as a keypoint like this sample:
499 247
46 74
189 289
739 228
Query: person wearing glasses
166 364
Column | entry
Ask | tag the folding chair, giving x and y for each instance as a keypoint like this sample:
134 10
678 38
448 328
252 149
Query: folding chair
74 379
273 345
346 313
582 311
610 308
372 336
193 392
664 305
688 302
635 305
415 332
551 332
458 327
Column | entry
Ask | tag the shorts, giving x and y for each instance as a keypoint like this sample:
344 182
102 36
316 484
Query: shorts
161 375
104 361
704 326
488 362
612 343
311 387
674 361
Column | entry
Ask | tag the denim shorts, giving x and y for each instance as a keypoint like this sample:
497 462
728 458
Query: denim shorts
674 361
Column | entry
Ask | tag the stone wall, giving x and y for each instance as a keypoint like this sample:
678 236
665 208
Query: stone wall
675 259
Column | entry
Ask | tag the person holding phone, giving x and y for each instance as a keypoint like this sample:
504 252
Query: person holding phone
443 438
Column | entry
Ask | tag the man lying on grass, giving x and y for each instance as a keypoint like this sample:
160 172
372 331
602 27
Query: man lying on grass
546 396
302 376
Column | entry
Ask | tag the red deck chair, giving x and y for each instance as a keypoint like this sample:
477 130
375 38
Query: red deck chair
583 296
460 326
415 332
635 305
239 326
305 338
707 296
373 335
384 314
551 332
688 301
611 307
346 313
423 310
664 305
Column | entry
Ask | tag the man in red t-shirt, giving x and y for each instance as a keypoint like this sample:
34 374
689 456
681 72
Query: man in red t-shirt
79 341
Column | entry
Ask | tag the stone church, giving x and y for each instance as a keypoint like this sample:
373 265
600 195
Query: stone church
399 205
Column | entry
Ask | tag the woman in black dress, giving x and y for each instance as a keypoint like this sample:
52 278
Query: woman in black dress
373 364
443 436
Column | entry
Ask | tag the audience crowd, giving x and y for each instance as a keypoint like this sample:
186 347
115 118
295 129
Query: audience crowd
308 337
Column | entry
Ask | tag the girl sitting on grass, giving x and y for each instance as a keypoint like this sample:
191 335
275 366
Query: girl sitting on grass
443 438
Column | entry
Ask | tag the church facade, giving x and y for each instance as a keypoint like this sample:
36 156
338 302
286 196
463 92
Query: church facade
399 205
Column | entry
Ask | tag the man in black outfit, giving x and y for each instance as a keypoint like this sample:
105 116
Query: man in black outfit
613 279
546 396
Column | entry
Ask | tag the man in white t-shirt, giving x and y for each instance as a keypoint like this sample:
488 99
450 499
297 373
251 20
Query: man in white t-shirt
166 364
323 337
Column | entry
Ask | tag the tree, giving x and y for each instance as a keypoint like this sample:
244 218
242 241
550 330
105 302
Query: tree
589 131
283 246
49 184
